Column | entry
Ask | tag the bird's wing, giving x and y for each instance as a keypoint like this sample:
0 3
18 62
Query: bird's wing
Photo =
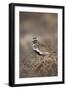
37 50
40 52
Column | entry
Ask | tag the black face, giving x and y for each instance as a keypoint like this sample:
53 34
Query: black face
34 42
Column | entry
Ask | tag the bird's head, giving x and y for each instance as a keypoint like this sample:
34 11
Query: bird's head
35 40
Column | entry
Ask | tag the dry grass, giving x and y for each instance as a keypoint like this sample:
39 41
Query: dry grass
34 65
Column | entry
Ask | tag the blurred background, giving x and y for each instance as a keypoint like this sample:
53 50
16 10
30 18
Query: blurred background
44 27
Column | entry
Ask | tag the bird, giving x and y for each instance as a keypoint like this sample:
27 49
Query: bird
36 49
